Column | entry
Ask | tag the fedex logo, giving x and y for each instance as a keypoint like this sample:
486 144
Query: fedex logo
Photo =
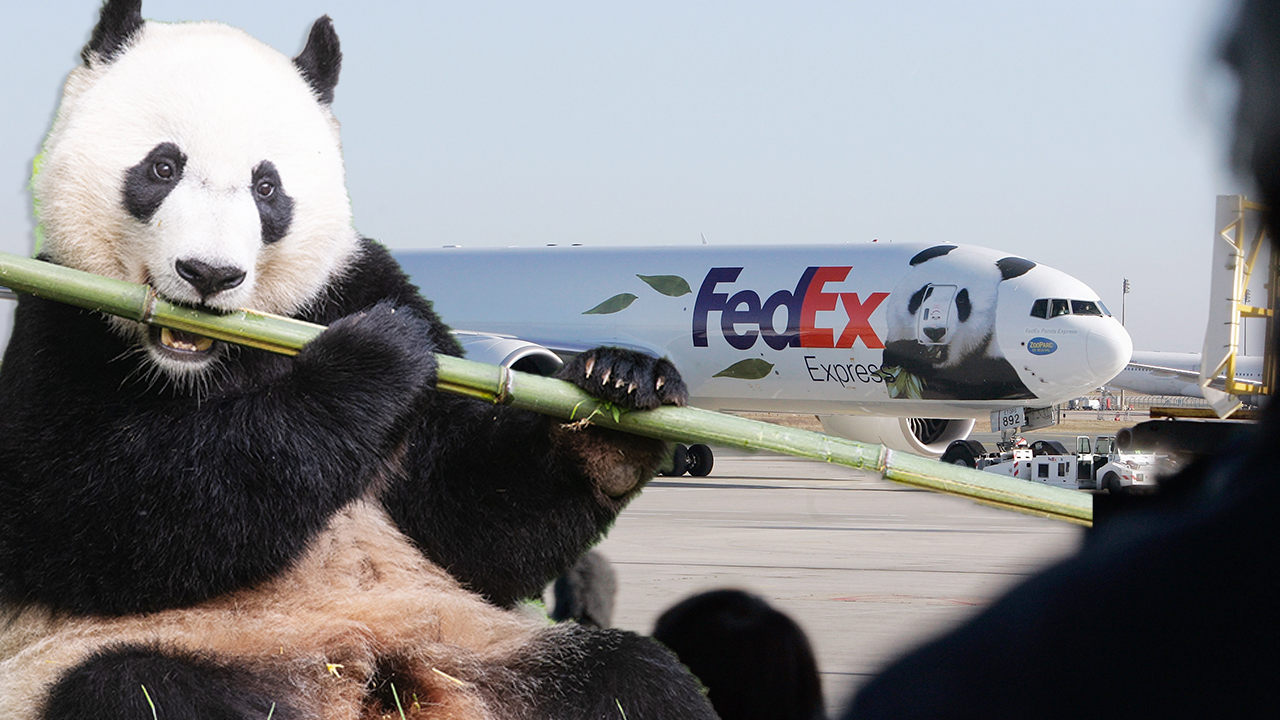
744 310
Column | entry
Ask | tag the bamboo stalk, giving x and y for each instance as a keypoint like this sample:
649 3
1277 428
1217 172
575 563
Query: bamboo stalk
554 397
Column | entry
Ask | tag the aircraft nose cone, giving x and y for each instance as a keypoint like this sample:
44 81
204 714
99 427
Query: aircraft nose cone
1108 349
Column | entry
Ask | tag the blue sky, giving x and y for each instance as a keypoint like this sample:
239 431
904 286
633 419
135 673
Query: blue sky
1088 136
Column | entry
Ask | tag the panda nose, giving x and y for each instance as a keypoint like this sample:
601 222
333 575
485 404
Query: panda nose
209 279
935 333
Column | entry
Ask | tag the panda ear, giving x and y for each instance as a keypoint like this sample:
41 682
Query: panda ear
321 59
118 23
931 253
1012 267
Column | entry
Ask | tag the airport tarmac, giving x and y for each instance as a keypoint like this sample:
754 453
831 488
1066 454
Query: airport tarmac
867 567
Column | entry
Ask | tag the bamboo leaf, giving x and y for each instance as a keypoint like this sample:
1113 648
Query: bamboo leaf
752 369
617 303
670 285
902 384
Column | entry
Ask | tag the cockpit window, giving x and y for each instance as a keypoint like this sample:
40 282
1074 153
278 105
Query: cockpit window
1053 307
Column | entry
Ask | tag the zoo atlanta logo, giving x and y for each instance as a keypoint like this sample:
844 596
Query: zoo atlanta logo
1041 346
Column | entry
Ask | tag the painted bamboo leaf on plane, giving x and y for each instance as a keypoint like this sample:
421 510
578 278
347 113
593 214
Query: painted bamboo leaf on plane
902 384
669 285
617 303
752 369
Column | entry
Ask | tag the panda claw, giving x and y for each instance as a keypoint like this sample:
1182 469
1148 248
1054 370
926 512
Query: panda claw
661 381
591 363
620 382
631 388
604 379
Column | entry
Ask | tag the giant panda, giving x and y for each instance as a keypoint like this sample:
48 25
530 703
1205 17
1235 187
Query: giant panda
192 529
942 324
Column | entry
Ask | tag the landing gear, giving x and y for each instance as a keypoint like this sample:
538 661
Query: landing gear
699 461
964 452
695 460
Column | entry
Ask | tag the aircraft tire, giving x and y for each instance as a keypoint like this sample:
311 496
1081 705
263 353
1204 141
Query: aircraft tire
700 460
962 452
679 462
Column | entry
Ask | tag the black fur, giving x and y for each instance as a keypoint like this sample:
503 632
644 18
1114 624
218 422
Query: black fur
590 674
321 59
132 682
1012 267
148 183
275 207
918 297
118 23
978 377
931 253
964 305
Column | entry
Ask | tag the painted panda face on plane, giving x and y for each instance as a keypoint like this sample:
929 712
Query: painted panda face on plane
942 324
194 158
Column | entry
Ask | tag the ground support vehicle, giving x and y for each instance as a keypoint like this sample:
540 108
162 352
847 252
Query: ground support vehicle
1095 465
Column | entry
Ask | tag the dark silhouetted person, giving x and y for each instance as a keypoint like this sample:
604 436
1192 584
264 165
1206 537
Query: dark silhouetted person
755 661
1169 610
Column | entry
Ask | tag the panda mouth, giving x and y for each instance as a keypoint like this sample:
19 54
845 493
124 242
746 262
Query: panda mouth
180 342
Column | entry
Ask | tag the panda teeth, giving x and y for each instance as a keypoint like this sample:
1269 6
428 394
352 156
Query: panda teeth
184 341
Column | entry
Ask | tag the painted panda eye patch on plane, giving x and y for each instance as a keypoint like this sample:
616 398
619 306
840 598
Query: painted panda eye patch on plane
148 183
275 207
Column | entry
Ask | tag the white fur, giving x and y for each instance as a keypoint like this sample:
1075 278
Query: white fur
228 102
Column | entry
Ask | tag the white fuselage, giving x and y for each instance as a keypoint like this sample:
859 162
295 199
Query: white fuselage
799 329
1174 373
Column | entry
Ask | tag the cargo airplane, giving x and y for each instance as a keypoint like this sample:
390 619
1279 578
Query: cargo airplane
895 344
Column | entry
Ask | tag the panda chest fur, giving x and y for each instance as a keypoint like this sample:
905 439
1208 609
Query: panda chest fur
361 600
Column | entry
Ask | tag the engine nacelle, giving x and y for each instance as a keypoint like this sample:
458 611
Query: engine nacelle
510 352
920 436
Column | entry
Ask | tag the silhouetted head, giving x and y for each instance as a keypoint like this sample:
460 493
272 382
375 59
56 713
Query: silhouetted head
755 661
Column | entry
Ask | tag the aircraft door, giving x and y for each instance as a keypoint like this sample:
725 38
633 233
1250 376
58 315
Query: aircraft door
935 315
1084 458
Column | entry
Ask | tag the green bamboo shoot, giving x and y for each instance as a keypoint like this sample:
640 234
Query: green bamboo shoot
553 397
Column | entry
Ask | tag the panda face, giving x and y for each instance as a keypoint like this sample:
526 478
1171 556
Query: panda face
943 311
198 160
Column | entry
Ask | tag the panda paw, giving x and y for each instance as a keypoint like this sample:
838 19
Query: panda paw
385 345
626 378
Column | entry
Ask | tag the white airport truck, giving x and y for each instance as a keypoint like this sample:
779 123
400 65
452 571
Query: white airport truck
1095 465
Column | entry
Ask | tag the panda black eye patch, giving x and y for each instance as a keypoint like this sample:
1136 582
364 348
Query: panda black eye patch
964 306
148 183
275 207
917 298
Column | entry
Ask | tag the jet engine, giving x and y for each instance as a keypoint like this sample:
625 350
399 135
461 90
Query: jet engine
928 437
510 352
